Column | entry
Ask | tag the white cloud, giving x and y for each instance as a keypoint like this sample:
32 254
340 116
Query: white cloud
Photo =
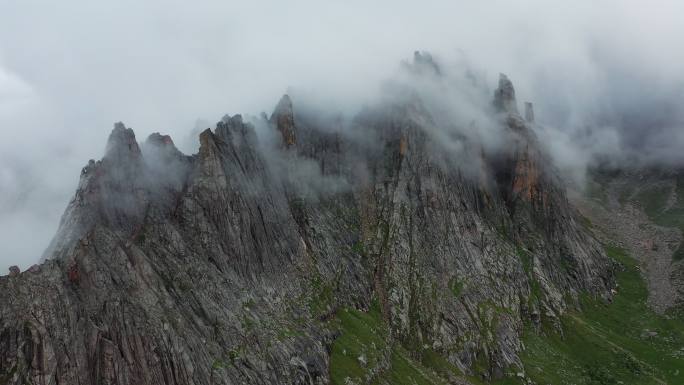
69 69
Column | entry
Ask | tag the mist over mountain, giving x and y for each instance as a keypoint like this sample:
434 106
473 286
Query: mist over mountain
251 251
341 193
602 85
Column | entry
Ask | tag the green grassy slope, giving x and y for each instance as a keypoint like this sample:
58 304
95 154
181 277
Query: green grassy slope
619 343
364 354
623 342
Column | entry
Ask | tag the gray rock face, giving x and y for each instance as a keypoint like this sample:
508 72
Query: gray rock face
211 269
14 271
424 63
504 96
529 112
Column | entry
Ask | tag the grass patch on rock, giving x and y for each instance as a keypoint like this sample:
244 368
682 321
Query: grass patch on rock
360 350
365 354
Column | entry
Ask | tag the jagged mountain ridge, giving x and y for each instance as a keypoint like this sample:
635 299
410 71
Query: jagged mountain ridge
217 268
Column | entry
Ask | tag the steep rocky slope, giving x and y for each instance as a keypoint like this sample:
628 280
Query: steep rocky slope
237 264
642 208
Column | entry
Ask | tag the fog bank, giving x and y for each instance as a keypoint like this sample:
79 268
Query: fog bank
605 77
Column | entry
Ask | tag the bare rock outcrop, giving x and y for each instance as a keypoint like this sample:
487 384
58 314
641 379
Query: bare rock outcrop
504 96
283 119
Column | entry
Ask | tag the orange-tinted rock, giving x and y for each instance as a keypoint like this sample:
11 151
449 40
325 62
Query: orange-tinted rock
526 176
403 145
74 275
283 119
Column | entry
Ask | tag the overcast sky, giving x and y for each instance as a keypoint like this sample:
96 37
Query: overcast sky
70 69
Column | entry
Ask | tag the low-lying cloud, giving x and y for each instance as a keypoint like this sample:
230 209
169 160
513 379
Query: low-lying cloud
605 76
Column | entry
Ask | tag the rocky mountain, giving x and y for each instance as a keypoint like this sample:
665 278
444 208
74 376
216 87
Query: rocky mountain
243 263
